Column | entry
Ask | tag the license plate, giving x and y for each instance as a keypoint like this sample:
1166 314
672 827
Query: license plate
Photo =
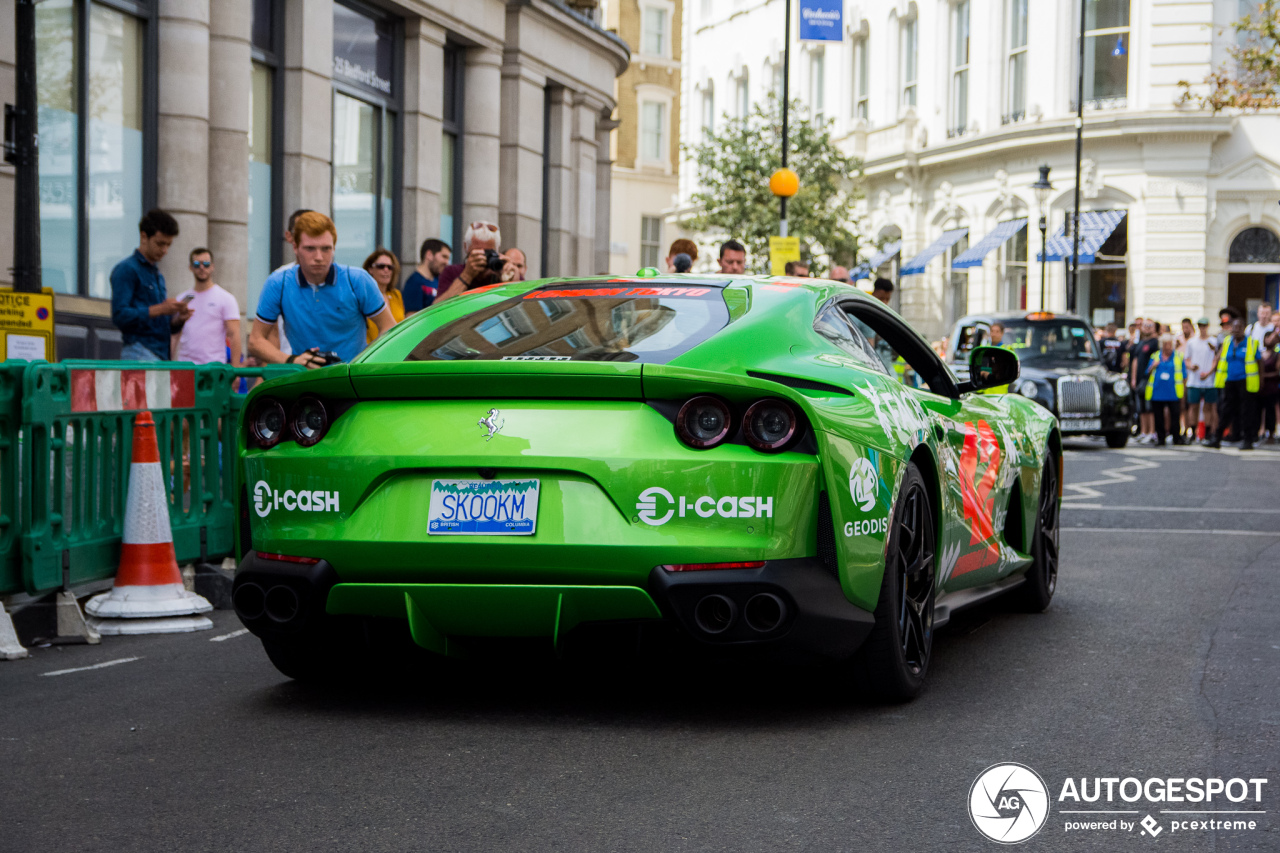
483 507
1081 425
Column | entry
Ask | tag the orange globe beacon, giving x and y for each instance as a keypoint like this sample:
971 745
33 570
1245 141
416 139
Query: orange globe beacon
784 182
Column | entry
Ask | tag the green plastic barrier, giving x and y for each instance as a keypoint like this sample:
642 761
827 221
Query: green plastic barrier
72 474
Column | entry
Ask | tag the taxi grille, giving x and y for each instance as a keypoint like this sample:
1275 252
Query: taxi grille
1079 395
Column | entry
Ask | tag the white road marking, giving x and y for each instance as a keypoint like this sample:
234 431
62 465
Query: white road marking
1162 531
95 666
1110 475
1128 508
230 636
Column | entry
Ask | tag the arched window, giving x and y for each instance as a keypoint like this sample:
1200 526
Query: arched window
1255 246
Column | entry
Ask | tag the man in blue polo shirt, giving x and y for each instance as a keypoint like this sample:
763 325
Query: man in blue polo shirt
140 307
324 304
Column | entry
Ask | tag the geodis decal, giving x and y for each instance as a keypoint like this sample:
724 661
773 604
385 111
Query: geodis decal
864 488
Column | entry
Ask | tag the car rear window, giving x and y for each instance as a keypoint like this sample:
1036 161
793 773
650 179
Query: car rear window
643 323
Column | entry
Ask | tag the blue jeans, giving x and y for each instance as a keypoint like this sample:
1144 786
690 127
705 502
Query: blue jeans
137 352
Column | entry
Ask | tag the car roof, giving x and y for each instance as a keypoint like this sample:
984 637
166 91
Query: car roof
990 316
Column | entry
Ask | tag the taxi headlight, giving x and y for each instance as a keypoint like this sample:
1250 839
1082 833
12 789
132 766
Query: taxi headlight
1028 389
1121 387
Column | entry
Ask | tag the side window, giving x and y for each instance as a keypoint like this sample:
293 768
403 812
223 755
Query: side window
904 352
848 335
966 339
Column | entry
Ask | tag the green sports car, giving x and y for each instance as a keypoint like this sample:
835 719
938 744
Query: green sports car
735 465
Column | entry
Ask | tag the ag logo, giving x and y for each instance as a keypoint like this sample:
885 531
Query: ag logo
1008 803
647 506
262 498
862 484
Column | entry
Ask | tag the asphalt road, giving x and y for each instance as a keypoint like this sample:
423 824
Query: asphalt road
1160 657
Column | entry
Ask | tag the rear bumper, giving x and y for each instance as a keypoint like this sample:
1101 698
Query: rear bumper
788 608
816 621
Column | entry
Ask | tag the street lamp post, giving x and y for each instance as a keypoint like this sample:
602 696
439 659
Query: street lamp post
1042 189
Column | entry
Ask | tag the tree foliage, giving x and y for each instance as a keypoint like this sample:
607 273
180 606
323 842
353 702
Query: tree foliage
1250 79
734 164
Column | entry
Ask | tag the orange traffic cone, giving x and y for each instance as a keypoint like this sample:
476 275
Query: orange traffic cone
148 596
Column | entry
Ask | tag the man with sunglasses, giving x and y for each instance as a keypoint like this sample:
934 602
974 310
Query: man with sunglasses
214 324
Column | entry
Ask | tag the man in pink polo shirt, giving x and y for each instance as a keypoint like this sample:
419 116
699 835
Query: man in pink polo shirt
214 324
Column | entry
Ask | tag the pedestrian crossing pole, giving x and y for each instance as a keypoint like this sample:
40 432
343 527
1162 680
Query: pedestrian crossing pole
1074 282
786 105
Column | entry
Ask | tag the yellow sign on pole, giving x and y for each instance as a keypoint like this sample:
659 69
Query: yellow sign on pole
26 325
781 251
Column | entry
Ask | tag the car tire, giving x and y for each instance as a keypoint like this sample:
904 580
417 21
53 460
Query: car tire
894 660
1117 439
1042 577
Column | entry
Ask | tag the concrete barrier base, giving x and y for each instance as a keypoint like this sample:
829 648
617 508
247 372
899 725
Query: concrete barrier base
10 648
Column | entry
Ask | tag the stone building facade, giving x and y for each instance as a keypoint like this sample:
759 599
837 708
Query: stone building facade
403 120
646 142
953 105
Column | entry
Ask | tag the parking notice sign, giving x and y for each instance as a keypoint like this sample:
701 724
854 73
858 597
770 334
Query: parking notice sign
26 324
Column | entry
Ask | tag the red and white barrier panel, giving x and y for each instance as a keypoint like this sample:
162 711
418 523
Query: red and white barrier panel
129 390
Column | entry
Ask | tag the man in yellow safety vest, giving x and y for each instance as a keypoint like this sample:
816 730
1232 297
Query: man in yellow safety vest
1240 381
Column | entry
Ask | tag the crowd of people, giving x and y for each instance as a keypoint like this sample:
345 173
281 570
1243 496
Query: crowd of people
1197 386
312 310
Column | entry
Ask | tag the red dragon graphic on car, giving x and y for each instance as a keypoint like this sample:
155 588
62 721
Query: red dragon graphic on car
980 448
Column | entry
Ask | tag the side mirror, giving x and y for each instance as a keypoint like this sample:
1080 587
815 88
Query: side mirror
990 367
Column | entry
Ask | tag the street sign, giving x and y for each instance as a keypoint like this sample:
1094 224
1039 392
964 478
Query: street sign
782 250
26 325
821 20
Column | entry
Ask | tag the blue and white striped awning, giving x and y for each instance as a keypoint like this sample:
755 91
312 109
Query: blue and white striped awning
864 269
979 250
916 265
1095 227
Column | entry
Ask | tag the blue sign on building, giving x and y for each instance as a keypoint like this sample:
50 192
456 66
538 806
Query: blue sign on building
820 20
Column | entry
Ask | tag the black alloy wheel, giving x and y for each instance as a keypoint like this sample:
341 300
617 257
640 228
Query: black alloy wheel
1042 576
895 657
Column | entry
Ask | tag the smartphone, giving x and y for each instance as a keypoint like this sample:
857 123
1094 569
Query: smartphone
188 297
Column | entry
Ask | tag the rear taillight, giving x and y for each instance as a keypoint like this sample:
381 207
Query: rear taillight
285 558
769 425
704 422
267 422
308 421
702 567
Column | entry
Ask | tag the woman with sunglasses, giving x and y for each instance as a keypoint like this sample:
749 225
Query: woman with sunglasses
385 269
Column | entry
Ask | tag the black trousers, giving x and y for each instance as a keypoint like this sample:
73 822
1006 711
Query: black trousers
1267 412
1174 409
1238 409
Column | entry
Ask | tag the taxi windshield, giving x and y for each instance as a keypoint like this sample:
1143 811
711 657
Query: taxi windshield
1050 340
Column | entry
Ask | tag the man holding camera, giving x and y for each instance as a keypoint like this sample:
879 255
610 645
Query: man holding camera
324 304
483 265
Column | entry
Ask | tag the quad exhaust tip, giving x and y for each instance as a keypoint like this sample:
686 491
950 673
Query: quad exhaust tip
280 603
249 600
715 614
764 612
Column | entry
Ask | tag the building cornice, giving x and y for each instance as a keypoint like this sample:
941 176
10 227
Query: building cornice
617 49
1140 128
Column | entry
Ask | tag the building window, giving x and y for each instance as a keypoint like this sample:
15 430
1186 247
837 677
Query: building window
451 151
264 205
957 293
743 95
959 69
817 83
1106 53
653 131
653 35
1015 108
909 45
861 78
650 241
1013 272
95 178
364 134
776 70
708 111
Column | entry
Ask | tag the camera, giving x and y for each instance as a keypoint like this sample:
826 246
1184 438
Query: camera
493 261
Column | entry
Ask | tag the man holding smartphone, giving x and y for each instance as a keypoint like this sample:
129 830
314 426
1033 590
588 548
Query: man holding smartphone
214 324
